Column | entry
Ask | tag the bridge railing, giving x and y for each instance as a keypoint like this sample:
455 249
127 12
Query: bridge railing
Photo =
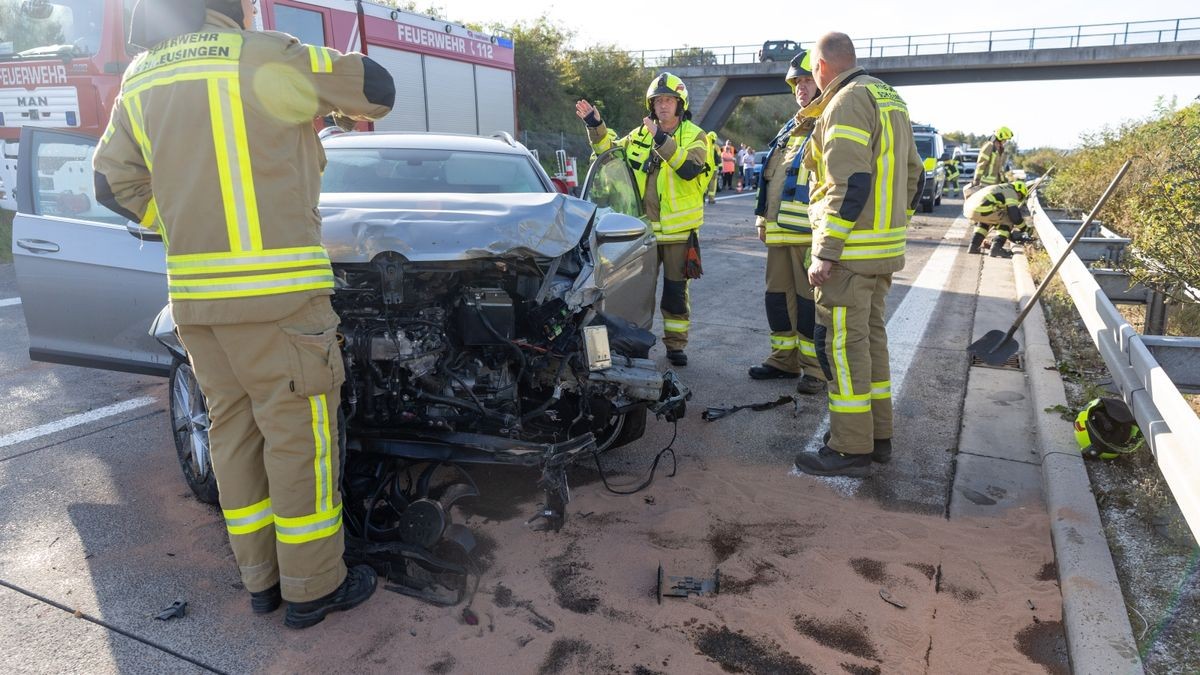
1053 37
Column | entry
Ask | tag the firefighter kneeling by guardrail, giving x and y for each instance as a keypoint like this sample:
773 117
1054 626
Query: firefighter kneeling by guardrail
998 206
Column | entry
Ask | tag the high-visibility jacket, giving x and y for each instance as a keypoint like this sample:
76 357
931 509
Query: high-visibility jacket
951 170
782 205
995 205
211 142
868 174
672 177
989 170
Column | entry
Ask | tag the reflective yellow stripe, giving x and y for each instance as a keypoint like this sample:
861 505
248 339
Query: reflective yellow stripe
892 251
243 287
807 347
249 518
191 70
839 228
308 528
150 215
783 342
849 404
320 59
881 390
884 170
233 164
848 132
235 261
675 325
133 108
322 462
841 360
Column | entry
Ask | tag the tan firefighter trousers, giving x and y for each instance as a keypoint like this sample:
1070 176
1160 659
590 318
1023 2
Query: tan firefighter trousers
273 391
791 313
852 345
676 303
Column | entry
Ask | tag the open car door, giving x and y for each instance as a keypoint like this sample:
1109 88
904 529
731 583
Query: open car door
623 243
91 282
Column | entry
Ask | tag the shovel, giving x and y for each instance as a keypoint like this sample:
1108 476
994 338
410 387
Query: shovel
996 347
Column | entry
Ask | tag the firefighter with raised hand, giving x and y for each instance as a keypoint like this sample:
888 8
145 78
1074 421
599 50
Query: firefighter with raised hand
669 158
782 224
868 178
211 143
989 169
996 206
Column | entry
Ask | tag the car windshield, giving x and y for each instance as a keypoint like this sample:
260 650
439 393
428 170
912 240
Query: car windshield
408 170
924 146
34 28
971 157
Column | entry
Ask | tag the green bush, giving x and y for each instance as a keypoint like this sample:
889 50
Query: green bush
1158 202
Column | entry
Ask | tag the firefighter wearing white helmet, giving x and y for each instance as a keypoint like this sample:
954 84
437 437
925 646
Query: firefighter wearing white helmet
996 206
670 159
989 169
781 221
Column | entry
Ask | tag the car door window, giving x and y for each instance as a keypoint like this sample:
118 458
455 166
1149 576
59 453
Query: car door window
63 183
611 187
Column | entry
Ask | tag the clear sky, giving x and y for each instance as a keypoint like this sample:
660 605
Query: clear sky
1041 113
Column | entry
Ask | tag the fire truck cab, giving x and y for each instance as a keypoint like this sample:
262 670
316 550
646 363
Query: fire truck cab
61 63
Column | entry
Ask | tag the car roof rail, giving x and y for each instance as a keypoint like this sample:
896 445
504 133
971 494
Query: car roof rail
506 137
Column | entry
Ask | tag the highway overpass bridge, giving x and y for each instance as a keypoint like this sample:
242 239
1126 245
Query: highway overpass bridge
718 77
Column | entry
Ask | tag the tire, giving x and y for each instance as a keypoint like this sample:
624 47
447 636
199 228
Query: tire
626 429
927 205
189 427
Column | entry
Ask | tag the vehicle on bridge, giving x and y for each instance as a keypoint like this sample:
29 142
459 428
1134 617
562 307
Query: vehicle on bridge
932 148
778 50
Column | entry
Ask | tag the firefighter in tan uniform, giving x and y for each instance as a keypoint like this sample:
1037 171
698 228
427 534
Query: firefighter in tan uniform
868 181
669 158
782 224
989 169
211 143
997 206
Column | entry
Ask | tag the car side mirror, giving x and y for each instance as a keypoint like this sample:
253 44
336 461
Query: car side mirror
138 232
619 227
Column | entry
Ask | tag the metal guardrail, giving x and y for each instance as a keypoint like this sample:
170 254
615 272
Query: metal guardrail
1053 37
1170 426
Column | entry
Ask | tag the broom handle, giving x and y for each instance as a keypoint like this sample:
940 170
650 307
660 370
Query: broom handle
1070 245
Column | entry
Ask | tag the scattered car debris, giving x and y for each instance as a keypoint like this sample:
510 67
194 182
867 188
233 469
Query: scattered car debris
682 587
716 412
1031 605
177 610
890 599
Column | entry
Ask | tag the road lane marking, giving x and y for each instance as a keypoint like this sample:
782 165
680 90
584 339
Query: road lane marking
9 302
906 329
75 420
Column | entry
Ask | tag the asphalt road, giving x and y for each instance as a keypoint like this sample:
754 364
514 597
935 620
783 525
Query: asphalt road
96 516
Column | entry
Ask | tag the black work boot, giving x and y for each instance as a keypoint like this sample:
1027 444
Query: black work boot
357 587
677 357
975 243
769 372
265 602
881 453
810 385
830 462
998 248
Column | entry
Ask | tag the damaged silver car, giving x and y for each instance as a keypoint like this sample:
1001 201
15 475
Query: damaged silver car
485 318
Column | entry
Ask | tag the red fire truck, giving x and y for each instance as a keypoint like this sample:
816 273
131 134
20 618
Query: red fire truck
61 63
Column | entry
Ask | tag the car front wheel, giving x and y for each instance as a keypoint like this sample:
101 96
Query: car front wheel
189 424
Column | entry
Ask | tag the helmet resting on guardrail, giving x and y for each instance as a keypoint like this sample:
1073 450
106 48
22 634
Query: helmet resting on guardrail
1105 429
1021 188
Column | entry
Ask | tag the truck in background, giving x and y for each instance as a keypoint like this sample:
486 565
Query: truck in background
61 63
